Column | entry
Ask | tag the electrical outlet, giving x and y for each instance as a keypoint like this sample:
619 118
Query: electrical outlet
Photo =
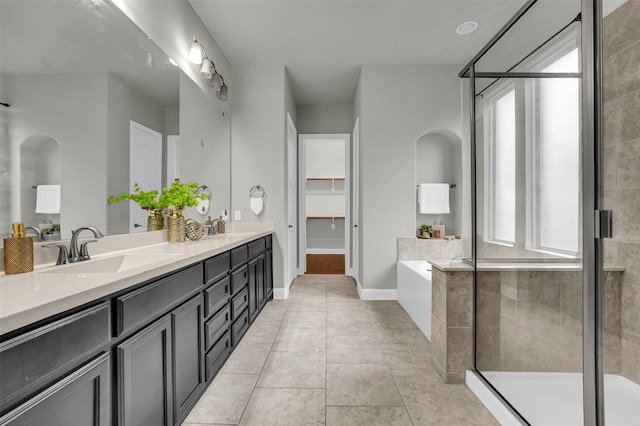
333 226
237 215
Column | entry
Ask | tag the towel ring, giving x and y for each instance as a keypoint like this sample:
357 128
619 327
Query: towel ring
257 189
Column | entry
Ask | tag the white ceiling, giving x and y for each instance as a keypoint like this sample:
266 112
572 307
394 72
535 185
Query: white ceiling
323 43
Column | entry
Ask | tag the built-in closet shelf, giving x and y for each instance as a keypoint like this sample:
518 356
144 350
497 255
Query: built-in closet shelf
324 217
325 178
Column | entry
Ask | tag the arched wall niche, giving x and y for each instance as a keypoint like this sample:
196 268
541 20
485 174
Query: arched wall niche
39 165
439 159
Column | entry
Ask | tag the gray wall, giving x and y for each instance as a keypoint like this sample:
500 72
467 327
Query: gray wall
425 99
258 150
124 104
328 118
205 154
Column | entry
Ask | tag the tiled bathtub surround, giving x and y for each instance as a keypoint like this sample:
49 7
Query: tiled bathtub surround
412 248
622 169
451 324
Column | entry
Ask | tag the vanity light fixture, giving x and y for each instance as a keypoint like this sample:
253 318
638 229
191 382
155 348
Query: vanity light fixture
207 69
196 53
467 28
223 94
198 56
216 81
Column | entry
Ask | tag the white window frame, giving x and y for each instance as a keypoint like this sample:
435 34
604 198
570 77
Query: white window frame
490 97
545 57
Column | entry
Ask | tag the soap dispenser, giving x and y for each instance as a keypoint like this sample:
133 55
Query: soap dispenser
18 251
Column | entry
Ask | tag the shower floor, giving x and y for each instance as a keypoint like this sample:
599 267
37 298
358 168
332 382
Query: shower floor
552 399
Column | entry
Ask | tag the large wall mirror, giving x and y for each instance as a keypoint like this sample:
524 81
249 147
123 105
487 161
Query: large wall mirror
83 84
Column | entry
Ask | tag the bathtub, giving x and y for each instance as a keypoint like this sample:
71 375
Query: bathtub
414 292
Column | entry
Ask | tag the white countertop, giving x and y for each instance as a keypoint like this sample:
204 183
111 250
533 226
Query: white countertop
29 297
501 266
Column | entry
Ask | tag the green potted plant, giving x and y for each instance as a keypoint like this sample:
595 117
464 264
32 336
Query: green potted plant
426 231
147 200
179 196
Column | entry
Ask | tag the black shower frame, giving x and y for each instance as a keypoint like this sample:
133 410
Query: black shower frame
592 198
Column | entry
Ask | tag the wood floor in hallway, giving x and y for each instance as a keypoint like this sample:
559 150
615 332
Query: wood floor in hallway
324 356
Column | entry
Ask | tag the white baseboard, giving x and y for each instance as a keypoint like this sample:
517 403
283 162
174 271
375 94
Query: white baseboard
280 293
376 293
489 400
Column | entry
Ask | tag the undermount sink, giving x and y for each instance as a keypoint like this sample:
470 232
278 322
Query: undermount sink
109 265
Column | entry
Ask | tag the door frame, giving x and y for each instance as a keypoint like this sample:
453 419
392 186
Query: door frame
355 202
302 221
292 200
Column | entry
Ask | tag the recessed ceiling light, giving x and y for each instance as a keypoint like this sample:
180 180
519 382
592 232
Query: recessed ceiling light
467 27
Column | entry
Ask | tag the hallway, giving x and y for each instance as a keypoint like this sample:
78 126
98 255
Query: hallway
324 356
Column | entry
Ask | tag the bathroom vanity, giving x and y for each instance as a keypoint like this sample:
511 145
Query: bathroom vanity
143 340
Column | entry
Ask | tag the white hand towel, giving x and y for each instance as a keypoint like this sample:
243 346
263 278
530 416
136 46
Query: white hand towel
256 205
203 207
48 199
433 198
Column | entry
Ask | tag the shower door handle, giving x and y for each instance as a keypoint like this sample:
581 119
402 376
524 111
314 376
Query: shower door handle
604 224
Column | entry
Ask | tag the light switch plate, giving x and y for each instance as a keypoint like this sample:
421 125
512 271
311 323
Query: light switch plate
237 215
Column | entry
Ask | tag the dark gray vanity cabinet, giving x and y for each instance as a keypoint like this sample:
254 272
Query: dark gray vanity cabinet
81 398
268 271
145 379
188 362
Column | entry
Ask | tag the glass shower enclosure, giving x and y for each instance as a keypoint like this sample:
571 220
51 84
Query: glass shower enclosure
555 142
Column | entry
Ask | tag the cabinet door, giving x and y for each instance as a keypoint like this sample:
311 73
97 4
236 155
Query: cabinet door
81 398
145 382
268 273
261 284
253 289
188 355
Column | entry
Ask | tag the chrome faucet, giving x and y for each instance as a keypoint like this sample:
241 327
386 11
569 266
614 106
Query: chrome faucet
36 230
83 254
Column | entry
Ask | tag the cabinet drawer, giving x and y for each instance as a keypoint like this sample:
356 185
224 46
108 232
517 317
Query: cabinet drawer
216 327
268 239
216 357
143 305
216 296
239 302
216 268
257 247
239 255
239 327
35 359
239 279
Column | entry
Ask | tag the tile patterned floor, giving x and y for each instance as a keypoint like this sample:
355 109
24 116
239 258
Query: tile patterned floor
326 357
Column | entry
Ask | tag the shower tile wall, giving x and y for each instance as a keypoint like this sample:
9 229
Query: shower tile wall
622 169
532 321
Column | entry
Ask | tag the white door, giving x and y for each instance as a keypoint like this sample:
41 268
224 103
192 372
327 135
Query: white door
145 169
173 158
355 194
292 199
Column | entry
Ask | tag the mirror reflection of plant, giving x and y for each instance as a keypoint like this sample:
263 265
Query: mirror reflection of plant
181 195
146 199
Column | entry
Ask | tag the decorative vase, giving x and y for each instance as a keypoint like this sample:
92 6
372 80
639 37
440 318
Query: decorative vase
425 235
175 226
155 221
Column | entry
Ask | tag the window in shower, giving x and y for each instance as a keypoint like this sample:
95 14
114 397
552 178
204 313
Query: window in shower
500 156
554 170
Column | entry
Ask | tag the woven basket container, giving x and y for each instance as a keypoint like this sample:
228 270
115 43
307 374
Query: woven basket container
194 230
175 226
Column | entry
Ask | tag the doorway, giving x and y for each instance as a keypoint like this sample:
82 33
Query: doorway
324 202
145 169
